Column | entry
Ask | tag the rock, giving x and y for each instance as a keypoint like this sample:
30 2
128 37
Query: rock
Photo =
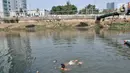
82 24
30 26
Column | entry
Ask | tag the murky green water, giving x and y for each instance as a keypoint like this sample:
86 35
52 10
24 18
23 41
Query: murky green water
100 51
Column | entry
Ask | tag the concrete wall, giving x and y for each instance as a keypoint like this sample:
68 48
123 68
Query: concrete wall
76 16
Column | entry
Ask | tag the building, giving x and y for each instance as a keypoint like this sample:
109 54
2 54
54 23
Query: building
7 6
4 8
17 5
31 13
111 6
128 12
35 13
128 5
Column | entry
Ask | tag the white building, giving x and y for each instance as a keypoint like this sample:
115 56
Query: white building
29 13
16 5
35 13
7 6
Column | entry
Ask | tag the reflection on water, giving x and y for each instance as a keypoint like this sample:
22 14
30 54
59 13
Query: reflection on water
101 51
17 57
20 52
115 39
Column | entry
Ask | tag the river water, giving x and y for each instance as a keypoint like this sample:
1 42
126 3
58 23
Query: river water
101 51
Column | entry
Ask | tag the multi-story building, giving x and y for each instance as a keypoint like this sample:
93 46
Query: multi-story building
111 6
7 6
128 12
4 8
16 5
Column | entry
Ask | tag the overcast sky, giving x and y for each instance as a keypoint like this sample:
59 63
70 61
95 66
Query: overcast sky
47 4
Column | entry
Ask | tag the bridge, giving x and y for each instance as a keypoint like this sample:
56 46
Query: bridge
98 18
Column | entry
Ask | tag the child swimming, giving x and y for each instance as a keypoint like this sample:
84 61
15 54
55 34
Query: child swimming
63 67
70 64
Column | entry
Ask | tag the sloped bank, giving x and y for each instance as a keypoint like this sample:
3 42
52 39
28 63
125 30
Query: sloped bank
118 24
63 24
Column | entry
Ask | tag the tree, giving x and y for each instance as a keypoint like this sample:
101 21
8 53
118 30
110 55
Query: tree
108 11
82 11
91 6
65 9
89 9
68 3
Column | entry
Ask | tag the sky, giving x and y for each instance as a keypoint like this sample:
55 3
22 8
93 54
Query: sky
47 4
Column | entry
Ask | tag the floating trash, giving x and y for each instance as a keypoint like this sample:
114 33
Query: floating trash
55 61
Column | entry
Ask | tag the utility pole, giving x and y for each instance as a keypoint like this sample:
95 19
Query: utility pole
86 9
92 10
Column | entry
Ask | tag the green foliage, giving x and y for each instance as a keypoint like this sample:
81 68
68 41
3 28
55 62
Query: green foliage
82 11
120 26
91 6
65 9
89 9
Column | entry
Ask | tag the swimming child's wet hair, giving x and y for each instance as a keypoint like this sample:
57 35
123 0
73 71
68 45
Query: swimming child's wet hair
63 65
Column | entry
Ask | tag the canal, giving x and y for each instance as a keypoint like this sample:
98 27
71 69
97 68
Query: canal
101 51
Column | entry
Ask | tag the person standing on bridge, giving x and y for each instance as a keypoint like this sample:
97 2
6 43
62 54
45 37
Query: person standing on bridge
122 9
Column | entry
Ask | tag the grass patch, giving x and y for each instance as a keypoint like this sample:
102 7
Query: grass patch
120 26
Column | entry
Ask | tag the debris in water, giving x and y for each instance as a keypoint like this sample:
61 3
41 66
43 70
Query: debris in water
37 72
55 61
